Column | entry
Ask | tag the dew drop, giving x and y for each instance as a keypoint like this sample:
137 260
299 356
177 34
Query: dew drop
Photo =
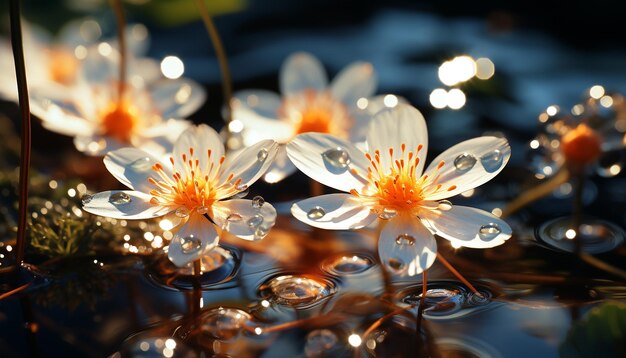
86 199
182 212
257 202
142 164
255 221
405 240
464 162
316 213
395 264
260 232
119 198
387 214
489 231
337 157
492 161
298 290
234 217
242 187
202 210
190 244
444 205
224 323
319 343
261 155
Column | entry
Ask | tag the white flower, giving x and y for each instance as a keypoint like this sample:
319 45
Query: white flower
309 104
197 181
386 182
91 111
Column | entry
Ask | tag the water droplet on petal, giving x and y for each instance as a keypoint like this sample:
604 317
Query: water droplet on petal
190 244
182 212
405 240
387 214
86 199
242 187
489 231
260 232
337 157
257 202
202 210
119 198
492 161
262 155
464 162
255 221
142 164
316 213
395 264
234 217
320 342
444 205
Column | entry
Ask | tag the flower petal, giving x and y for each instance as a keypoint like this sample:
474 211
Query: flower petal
246 168
306 152
364 111
177 98
97 145
123 204
258 127
132 167
59 116
193 239
406 247
462 226
391 128
333 212
201 138
243 218
353 82
281 167
302 71
469 164
262 102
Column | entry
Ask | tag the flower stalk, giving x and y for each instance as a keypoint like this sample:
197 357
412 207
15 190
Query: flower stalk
458 275
121 35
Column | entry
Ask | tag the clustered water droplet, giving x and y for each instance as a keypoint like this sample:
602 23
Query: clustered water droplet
119 198
489 231
182 212
464 162
316 213
190 244
388 213
257 202
337 157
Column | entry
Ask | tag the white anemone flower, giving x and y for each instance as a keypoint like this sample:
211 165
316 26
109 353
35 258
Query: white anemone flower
309 104
91 110
196 184
386 182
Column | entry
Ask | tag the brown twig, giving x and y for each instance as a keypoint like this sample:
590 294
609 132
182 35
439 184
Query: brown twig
536 193
458 275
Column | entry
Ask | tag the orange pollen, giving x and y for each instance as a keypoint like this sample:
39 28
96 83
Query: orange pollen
581 145
316 111
63 66
193 187
119 121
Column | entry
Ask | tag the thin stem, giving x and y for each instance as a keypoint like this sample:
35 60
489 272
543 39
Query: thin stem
536 193
315 188
578 210
197 268
420 309
121 35
22 90
227 87
458 275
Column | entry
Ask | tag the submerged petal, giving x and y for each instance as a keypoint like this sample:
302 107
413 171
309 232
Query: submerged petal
406 247
395 127
353 82
243 218
193 239
329 160
334 212
123 204
132 167
302 71
468 227
468 164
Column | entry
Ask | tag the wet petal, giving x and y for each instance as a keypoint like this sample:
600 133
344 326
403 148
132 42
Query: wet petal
243 218
193 239
302 71
306 152
391 128
468 227
406 247
469 164
132 167
123 204
353 82
246 168
333 212
281 167
177 98
201 138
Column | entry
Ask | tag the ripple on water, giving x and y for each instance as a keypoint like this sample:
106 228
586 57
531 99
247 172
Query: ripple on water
597 236
297 290
347 264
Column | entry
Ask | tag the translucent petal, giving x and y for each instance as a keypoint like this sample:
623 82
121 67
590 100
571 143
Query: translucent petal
257 127
244 219
302 71
193 239
246 168
201 138
132 167
97 145
281 167
177 98
123 204
262 102
406 247
333 212
60 115
353 82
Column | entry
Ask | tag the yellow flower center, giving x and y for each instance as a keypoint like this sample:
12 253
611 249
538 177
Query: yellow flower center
63 66
314 111
193 189
398 188
119 120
